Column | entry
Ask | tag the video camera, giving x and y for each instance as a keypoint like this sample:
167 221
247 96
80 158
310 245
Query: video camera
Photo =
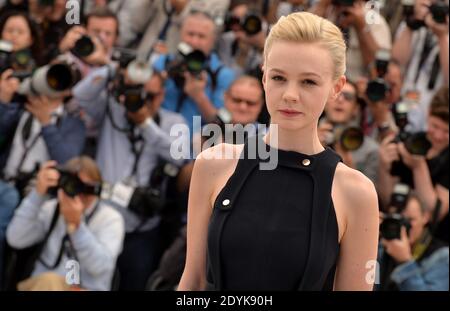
130 80
186 60
378 87
251 24
72 185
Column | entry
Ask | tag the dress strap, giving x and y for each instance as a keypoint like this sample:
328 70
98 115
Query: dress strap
224 203
323 219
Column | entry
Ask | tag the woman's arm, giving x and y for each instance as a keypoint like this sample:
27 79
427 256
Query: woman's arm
199 213
356 268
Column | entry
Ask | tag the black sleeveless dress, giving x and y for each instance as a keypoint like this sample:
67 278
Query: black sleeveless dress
275 229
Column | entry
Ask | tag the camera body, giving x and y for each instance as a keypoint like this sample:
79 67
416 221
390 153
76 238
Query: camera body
83 47
20 61
439 10
392 224
186 60
130 80
378 87
251 23
72 185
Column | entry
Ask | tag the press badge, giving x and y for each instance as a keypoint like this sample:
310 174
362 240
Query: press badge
121 194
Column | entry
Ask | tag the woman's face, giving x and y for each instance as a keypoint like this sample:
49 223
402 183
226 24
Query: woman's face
298 80
17 32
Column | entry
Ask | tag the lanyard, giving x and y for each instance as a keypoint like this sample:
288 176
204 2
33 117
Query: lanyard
67 245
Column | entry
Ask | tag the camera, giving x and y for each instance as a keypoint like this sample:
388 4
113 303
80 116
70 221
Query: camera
187 59
350 138
20 61
392 224
83 47
399 197
416 143
72 185
51 80
378 87
251 24
439 11
130 80
343 2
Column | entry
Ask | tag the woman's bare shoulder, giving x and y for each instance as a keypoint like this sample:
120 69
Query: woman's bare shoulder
214 166
356 189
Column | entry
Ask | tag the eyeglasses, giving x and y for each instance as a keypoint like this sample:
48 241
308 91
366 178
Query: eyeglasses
348 96
238 100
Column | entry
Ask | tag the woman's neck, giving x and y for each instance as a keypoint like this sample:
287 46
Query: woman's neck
304 140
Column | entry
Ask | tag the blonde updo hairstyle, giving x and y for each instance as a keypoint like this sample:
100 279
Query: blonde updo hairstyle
304 27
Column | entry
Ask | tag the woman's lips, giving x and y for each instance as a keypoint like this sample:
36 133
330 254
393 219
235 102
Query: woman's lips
290 113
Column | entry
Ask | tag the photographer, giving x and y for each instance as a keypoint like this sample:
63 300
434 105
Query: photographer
340 129
414 261
427 174
134 139
364 38
40 128
94 43
240 46
421 47
88 230
381 120
202 93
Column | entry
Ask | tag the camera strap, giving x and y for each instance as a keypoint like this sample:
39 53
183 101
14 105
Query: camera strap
66 243
419 249
427 48
137 151
26 132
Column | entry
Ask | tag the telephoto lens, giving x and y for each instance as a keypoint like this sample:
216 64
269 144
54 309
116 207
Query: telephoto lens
352 138
252 24
51 80
376 90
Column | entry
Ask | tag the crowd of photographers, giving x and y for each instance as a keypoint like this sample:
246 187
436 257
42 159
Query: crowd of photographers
100 124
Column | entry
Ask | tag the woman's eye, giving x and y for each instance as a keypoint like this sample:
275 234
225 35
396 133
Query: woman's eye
277 78
309 82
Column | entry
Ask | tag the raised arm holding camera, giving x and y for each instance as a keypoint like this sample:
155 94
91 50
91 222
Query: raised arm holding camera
366 31
422 48
426 160
411 259
197 78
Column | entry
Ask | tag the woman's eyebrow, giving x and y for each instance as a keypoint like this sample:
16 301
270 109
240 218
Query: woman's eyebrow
308 73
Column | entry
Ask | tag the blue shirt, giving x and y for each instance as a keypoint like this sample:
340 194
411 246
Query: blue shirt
189 108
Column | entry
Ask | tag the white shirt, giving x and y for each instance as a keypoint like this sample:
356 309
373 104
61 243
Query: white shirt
37 152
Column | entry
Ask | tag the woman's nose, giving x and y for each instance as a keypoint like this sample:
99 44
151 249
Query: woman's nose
291 94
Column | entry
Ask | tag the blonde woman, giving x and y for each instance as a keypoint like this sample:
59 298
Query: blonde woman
311 223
